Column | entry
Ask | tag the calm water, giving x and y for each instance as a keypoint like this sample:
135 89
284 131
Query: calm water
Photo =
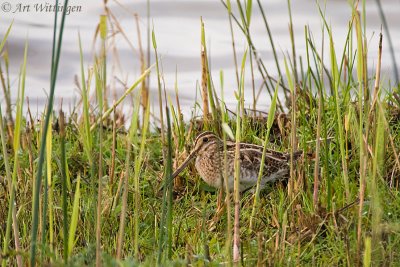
177 28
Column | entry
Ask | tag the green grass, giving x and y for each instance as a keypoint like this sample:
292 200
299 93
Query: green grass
107 194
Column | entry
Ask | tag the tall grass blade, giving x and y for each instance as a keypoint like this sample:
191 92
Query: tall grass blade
293 141
138 163
296 79
159 94
249 9
374 189
9 181
16 146
87 137
50 186
64 186
208 92
236 190
367 252
363 152
226 130
390 42
74 216
166 227
101 81
204 77
45 202
130 141
270 120
168 177
3 41
339 120
35 202
229 8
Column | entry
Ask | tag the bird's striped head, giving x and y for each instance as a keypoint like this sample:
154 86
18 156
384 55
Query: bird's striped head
204 141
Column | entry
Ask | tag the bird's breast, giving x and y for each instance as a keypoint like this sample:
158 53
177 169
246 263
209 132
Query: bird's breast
210 170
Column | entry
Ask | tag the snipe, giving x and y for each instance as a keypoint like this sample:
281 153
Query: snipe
209 153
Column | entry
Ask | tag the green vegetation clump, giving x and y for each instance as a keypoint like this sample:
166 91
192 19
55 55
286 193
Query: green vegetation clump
105 193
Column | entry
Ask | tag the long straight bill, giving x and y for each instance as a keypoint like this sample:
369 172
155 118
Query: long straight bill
183 165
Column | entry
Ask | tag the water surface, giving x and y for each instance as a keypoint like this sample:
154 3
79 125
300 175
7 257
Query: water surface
177 28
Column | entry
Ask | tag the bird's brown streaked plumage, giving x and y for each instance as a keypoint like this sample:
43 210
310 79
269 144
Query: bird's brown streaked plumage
209 153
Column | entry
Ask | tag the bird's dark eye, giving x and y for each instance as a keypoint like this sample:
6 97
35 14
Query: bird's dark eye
205 139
